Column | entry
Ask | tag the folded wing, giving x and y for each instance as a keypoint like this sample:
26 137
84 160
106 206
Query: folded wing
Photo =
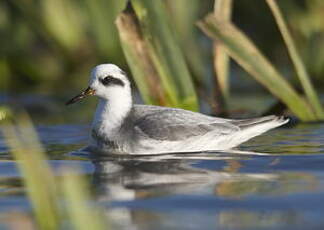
175 125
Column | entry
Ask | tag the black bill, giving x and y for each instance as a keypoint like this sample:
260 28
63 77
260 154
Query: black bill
83 94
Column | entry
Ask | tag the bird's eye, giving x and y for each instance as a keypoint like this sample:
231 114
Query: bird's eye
107 80
110 80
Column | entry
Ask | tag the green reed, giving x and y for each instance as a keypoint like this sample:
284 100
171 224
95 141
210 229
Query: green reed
163 62
223 9
159 43
44 190
247 55
300 68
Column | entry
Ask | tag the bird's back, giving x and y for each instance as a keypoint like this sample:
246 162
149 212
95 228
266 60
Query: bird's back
183 130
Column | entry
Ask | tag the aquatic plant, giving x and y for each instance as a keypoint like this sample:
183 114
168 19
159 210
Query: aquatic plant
68 37
138 57
305 21
4 112
246 54
26 149
296 60
184 17
170 61
81 213
163 61
43 189
222 9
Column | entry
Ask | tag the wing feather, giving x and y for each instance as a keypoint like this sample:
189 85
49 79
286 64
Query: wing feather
175 124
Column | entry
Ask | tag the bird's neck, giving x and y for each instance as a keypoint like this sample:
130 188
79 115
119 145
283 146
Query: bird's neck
110 115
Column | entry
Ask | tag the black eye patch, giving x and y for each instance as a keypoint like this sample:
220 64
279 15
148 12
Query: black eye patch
110 80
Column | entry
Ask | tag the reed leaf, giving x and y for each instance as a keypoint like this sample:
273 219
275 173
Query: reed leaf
166 53
42 187
62 19
101 15
76 193
5 113
296 60
38 177
5 74
244 52
139 60
222 9
34 17
184 17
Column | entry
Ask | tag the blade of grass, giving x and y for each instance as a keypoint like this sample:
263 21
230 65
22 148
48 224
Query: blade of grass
41 186
38 178
297 62
5 75
101 15
31 14
222 9
5 113
139 60
76 193
243 51
184 17
62 20
166 53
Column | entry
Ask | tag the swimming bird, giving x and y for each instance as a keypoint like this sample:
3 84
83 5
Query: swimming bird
121 127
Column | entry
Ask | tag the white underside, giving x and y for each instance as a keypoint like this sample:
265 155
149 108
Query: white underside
208 142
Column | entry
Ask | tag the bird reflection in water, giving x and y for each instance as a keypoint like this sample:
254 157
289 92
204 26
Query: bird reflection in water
142 192
123 180
133 177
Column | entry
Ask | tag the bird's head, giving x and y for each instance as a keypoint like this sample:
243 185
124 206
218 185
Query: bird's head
108 82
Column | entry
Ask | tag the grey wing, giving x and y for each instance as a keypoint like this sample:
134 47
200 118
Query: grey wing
174 125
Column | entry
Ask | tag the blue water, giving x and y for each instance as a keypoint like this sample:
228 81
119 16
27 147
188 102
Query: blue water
277 184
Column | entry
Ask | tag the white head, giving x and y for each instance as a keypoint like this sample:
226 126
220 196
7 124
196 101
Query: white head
108 82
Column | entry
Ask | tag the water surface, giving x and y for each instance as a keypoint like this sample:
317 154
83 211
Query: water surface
280 185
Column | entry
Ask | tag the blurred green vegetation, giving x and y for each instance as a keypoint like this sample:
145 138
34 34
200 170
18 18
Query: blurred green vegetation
45 191
45 43
163 53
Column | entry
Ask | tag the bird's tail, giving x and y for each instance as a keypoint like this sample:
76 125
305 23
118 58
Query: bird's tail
256 126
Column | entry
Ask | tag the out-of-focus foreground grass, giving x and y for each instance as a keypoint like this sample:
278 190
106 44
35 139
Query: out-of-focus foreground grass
56 203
